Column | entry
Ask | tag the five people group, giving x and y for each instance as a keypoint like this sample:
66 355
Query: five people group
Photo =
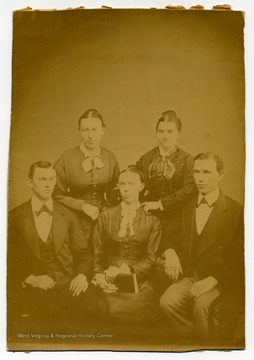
163 224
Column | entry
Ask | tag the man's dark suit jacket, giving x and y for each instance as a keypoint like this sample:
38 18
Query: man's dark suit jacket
221 251
23 256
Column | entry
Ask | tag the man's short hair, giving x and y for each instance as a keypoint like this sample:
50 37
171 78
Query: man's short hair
210 155
38 164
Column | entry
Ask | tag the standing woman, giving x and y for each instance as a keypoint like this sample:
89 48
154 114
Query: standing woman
168 176
87 174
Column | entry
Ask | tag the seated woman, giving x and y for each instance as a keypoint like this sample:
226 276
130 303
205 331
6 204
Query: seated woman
126 240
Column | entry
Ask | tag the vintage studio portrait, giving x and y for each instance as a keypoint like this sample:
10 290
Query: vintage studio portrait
126 181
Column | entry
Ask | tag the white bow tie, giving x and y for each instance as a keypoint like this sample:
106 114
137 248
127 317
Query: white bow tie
90 163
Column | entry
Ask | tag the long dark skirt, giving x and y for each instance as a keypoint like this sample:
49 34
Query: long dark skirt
132 308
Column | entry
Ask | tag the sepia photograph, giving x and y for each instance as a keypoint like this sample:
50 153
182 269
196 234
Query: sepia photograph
126 180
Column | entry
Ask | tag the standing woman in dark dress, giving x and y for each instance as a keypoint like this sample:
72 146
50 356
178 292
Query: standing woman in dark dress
87 174
169 182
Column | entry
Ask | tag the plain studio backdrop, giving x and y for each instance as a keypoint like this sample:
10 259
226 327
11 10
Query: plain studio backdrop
130 65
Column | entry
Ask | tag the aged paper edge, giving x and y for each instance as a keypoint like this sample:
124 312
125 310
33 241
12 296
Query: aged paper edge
220 7
30 347
14 346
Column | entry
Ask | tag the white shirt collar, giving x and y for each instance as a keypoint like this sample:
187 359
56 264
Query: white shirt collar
131 207
37 204
165 153
89 153
211 197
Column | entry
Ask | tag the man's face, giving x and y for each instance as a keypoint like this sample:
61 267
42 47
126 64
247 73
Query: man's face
168 135
43 183
91 131
130 186
206 176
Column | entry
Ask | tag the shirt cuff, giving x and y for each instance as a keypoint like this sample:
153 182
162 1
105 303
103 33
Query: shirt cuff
160 205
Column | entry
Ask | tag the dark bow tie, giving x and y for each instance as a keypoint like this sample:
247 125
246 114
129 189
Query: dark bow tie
203 201
44 208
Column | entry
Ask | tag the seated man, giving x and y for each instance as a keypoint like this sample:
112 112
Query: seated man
49 262
206 262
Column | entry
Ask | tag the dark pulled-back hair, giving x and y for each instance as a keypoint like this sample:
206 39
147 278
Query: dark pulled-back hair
134 169
38 164
169 116
211 155
89 114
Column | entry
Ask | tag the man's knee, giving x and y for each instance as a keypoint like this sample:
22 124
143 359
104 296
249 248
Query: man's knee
201 307
169 299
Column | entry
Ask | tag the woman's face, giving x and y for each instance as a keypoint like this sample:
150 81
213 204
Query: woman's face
168 135
130 186
91 131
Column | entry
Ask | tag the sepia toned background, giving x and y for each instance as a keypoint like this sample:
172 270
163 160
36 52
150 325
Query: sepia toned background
131 65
